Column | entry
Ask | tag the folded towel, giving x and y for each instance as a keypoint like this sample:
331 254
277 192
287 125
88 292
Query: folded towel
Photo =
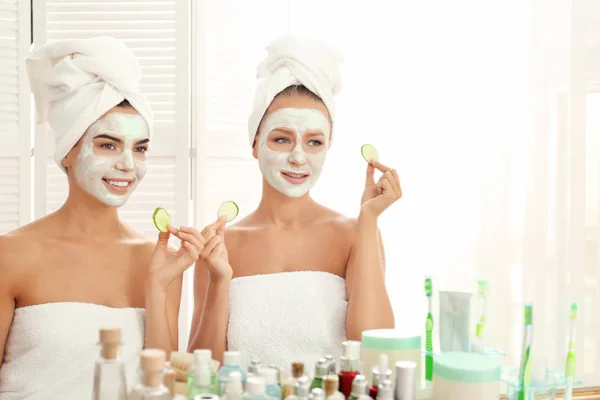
296 61
52 349
76 81
287 317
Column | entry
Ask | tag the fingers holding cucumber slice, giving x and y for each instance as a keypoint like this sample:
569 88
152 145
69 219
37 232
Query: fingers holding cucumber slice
162 219
369 153
229 210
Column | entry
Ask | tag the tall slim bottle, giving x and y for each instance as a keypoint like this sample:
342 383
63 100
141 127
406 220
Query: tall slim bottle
109 373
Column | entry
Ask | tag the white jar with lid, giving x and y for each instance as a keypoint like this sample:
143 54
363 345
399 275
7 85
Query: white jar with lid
458 376
396 345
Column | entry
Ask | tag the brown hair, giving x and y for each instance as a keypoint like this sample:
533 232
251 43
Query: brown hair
124 103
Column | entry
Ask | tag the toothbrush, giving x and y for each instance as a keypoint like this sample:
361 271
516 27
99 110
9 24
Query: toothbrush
570 364
428 332
483 290
525 370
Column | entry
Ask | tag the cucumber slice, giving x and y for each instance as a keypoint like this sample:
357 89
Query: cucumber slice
161 219
369 153
228 209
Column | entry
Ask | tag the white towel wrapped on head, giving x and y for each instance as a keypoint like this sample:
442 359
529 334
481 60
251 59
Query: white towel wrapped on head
296 61
286 317
76 81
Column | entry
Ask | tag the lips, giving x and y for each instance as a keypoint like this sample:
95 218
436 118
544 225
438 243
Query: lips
295 177
118 185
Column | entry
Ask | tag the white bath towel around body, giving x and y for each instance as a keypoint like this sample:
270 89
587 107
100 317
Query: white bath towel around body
52 349
286 317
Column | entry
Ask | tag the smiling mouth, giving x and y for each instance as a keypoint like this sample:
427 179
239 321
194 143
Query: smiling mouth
295 178
118 186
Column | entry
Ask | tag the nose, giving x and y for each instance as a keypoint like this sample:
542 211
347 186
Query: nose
297 156
125 162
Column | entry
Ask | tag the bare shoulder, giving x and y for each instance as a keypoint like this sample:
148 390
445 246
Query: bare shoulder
140 242
241 229
337 220
21 247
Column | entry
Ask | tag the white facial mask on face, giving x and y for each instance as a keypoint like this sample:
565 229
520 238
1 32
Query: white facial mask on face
92 171
273 163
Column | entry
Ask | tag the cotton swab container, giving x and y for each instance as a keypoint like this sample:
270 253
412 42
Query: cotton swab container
458 376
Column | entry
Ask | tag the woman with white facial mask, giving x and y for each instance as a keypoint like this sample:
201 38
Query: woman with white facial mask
81 268
295 278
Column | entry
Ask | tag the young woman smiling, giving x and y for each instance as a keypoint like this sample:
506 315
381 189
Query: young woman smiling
294 279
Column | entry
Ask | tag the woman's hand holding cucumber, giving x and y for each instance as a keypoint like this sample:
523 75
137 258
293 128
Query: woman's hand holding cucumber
378 196
214 255
167 264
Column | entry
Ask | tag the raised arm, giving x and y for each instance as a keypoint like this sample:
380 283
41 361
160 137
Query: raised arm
163 290
369 306
212 278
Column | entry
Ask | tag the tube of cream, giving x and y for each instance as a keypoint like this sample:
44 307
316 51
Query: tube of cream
455 321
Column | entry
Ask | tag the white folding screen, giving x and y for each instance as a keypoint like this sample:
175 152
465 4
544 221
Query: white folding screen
15 103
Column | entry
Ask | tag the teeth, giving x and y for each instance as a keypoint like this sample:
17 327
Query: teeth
121 184
298 176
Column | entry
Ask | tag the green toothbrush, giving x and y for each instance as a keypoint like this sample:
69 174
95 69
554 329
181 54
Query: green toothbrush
525 371
483 290
571 359
428 333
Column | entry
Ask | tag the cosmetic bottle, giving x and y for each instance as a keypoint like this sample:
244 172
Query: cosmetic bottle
109 372
331 384
289 383
152 366
321 369
349 365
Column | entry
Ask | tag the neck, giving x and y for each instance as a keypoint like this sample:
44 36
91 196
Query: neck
282 210
85 217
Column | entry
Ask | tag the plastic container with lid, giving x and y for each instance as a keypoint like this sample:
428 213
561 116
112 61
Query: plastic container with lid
256 388
232 361
397 345
459 376
234 389
271 377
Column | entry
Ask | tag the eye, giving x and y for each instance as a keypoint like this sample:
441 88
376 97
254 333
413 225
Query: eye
315 143
141 149
108 146
282 140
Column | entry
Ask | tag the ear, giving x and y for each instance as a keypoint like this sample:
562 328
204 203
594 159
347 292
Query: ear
66 162
254 149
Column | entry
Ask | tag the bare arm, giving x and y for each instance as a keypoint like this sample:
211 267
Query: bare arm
160 307
211 314
200 290
7 305
163 290
212 280
369 306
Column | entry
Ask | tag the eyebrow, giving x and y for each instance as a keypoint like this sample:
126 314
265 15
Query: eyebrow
117 140
105 136
284 130
315 132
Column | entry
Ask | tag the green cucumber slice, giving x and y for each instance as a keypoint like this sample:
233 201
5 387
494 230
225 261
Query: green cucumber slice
228 209
161 219
369 153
